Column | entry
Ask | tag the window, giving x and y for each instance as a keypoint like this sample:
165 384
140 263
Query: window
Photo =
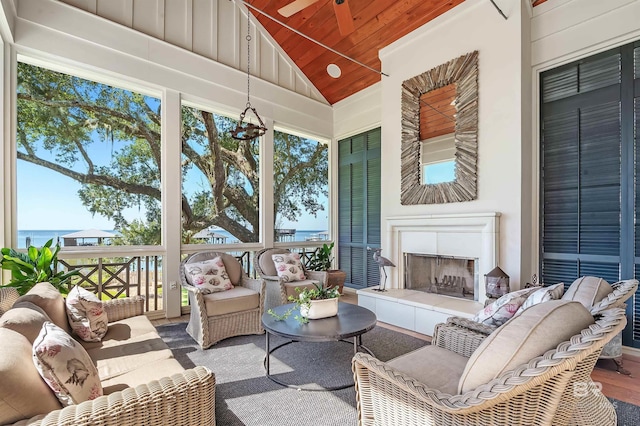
88 160
220 181
300 188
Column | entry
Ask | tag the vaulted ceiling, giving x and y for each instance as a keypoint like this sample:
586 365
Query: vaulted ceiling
376 24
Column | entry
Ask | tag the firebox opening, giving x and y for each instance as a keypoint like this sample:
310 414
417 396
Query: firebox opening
445 275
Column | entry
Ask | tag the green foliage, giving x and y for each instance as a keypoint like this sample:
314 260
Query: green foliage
36 266
322 258
305 296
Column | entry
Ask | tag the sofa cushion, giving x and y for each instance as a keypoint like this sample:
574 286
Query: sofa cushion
121 331
237 299
536 330
142 375
588 291
86 316
288 267
436 367
65 366
49 299
26 319
23 393
290 287
544 294
209 275
129 355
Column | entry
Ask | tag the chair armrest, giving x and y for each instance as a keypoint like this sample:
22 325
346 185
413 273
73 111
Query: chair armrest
187 398
270 278
622 291
321 276
255 284
8 296
126 307
460 340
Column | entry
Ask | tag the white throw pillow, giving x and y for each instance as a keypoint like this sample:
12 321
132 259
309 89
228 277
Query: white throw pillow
86 315
289 267
503 309
210 275
544 294
65 366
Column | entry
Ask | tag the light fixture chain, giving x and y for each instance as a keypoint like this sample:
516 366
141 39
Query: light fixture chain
248 55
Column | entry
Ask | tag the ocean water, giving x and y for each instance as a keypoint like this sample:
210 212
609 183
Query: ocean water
38 238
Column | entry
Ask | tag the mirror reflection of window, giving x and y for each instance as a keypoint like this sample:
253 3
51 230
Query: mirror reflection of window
437 157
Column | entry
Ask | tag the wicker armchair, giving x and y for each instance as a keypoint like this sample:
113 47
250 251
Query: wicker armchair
235 312
278 290
553 389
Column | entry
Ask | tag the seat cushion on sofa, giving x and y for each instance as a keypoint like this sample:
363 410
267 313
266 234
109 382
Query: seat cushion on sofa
588 291
142 375
528 335
23 393
237 299
123 330
436 367
45 296
24 318
290 288
129 355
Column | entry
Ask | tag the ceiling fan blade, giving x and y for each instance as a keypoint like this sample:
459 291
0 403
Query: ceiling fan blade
344 17
295 7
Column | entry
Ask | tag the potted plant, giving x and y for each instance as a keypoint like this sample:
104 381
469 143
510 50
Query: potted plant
313 303
322 260
36 266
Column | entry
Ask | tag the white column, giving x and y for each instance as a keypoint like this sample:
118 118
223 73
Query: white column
267 213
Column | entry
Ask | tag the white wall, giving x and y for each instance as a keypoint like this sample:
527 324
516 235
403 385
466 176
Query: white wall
474 25
358 113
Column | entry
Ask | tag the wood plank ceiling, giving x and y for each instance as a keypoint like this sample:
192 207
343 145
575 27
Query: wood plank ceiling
377 24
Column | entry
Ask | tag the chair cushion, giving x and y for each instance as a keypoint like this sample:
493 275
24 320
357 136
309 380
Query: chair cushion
544 294
500 311
26 319
290 287
436 367
86 315
588 291
265 261
209 275
237 299
536 330
23 393
65 366
49 299
288 267
120 332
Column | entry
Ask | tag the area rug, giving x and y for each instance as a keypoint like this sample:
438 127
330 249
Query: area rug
244 396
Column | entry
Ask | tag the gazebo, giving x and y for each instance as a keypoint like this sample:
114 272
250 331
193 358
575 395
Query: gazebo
72 239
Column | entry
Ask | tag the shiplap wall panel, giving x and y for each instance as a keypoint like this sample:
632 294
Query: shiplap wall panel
120 11
215 29
178 28
148 17
205 13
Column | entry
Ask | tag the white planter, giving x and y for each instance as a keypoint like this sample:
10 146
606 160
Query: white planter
323 308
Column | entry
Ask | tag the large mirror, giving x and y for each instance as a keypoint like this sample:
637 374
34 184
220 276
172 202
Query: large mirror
440 133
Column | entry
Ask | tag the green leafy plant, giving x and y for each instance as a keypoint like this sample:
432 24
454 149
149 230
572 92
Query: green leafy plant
305 296
322 258
36 266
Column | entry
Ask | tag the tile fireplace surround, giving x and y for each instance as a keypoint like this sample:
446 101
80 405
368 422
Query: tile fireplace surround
473 235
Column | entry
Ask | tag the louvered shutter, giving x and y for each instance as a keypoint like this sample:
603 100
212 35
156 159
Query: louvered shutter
589 171
359 207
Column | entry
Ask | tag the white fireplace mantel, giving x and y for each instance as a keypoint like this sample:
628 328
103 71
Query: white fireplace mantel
472 235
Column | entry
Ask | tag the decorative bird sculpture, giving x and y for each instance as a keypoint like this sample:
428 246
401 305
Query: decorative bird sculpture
382 262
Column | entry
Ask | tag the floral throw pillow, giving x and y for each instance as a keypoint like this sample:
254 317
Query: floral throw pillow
86 315
210 276
289 267
65 366
500 311
542 294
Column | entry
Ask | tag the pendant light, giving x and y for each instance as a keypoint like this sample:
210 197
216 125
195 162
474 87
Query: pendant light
247 131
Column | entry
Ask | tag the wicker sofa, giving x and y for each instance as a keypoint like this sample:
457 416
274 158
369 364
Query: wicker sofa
551 388
142 383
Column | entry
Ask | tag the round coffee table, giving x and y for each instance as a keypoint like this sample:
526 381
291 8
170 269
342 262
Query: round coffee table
351 321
